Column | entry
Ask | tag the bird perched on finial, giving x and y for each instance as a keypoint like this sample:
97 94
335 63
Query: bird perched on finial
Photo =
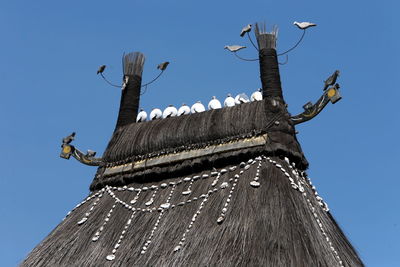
101 69
245 30
156 113
68 139
331 80
183 110
214 103
197 107
142 116
234 48
163 66
256 96
304 25
241 98
170 111
229 101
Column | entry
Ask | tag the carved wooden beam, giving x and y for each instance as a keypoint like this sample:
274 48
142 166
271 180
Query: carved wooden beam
68 150
310 111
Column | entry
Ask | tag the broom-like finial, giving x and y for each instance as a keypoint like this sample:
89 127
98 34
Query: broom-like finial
266 39
133 64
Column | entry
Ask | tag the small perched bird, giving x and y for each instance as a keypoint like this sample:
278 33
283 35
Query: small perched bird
142 116
331 80
304 25
90 153
197 107
234 48
256 96
156 113
163 66
241 98
170 111
101 69
69 138
229 101
245 30
214 103
183 110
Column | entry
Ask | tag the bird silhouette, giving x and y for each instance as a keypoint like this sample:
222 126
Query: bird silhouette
183 110
331 80
163 66
256 96
69 138
101 69
170 111
197 107
229 101
214 103
304 25
142 116
156 113
234 48
245 30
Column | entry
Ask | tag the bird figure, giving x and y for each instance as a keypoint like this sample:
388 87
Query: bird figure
234 48
90 153
68 139
214 103
241 98
183 110
197 107
304 25
229 101
245 30
256 96
101 69
170 111
163 66
156 113
331 80
142 116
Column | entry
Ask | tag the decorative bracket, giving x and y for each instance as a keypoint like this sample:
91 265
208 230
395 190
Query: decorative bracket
68 150
310 110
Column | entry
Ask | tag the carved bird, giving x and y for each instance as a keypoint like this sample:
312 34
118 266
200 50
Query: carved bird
183 110
170 111
156 113
245 30
69 138
214 103
234 48
229 101
197 107
142 116
331 80
256 96
90 153
163 66
101 69
304 25
241 98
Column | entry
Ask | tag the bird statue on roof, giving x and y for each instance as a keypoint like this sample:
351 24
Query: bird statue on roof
256 96
197 107
156 113
304 25
245 30
229 101
142 116
68 139
214 103
183 110
331 80
163 66
241 98
234 48
101 69
170 111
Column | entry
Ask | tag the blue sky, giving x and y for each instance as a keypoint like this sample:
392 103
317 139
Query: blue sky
50 52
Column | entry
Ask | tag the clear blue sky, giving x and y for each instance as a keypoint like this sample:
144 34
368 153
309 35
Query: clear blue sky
50 51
